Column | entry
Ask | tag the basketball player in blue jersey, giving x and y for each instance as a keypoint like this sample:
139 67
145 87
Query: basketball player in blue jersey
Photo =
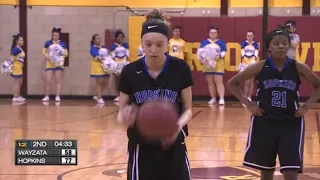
156 75
295 38
119 52
277 122
214 76
17 57
249 55
51 68
97 72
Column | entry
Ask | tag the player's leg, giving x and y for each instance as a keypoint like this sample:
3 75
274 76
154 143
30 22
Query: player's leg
58 73
251 89
178 166
48 77
261 150
290 147
145 162
211 87
218 80
246 87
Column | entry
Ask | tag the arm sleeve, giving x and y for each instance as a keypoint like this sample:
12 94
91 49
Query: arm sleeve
124 81
15 51
186 76
45 47
94 52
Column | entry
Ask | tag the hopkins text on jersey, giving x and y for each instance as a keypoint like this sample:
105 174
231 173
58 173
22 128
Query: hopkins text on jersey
149 95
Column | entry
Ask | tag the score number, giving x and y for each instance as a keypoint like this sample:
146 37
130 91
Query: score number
68 161
71 158
68 152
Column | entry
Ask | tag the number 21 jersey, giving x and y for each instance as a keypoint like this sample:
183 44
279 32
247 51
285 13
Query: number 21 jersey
277 91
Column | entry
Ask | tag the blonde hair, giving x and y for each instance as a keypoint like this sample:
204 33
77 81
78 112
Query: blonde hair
157 17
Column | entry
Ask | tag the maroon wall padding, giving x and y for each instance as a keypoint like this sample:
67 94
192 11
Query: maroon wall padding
233 29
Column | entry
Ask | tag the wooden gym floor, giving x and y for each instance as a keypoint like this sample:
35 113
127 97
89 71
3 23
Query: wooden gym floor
216 143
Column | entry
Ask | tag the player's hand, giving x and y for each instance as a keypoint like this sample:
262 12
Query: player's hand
47 57
127 115
255 110
301 111
167 142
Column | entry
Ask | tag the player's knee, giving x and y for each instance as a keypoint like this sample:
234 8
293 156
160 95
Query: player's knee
290 174
267 174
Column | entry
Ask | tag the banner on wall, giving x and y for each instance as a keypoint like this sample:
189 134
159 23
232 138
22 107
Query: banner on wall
233 31
315 3
9 2
129 3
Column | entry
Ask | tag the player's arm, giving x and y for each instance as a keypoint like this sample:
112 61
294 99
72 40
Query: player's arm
112 51
184 50
126 114
306 72
234 83
15 53
223 49
186 95
242 49
295 42
256 52
45 49
126 45
66 52
94 51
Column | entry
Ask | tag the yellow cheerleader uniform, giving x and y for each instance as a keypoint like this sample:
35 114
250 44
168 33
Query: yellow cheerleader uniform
120 52
18 56
49 65
221 49
96 64
176 48
249 51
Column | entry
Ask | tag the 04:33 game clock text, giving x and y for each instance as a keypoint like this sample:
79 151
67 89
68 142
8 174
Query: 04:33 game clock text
63 144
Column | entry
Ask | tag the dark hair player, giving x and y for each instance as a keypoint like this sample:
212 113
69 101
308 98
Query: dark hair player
169 78
277 123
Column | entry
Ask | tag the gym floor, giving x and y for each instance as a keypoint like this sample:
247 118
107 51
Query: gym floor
216 142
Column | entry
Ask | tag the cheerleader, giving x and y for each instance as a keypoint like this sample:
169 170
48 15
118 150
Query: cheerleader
97 71
17 57
119 52
249 54
51 68
214 75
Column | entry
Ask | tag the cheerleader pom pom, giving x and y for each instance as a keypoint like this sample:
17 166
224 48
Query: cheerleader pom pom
211 64
103 54
109 65
211 53
241 67
60 61
6 67
120 66
201 54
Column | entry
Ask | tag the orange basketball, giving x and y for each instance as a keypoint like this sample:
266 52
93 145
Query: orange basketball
157 120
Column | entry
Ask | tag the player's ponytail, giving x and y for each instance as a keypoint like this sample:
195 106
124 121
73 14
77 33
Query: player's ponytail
14 40
156 22
156 16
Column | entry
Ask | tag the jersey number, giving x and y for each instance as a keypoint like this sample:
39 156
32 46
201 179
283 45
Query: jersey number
279 99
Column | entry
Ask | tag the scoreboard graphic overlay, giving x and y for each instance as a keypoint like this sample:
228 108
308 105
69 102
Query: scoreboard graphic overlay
46 152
